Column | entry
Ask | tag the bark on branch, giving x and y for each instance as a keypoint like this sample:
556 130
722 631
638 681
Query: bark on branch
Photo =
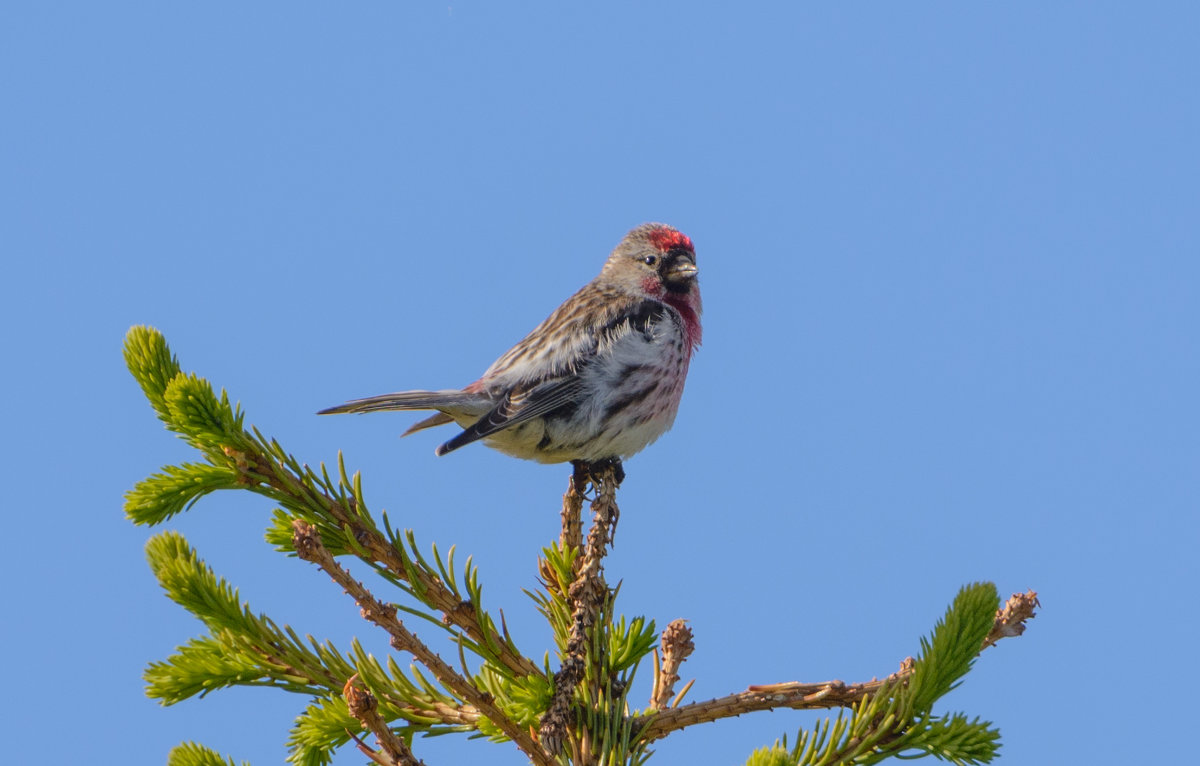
364 708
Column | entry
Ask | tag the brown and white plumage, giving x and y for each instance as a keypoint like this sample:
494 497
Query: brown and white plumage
599 379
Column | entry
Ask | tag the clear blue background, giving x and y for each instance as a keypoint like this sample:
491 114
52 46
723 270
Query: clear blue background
950 263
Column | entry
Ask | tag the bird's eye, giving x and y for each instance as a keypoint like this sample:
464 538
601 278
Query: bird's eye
650 260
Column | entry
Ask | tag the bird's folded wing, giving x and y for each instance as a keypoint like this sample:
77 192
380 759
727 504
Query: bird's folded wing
518 406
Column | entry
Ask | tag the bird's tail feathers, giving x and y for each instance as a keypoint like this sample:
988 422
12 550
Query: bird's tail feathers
417 400
439 419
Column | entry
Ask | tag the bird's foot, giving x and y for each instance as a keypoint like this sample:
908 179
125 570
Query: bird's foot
586 472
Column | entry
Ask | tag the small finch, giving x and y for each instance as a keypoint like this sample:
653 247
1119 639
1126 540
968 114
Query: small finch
598 380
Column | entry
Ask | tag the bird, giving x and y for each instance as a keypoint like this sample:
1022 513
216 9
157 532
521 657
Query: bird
598 380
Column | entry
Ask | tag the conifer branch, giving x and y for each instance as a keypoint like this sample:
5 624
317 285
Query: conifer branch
310 548
274 478
1009 621
188 406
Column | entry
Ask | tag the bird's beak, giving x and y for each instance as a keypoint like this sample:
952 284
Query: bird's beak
681 269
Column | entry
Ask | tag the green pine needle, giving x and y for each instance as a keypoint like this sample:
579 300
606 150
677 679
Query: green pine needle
949 653
955 739
152 364
193 585
628 644
319 730
209 422
192 754
776 755
174 490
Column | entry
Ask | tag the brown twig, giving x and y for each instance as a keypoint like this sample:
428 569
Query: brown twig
769 697
816 696
363 707
586 595
676 645
309 547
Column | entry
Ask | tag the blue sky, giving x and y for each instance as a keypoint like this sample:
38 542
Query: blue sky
950 263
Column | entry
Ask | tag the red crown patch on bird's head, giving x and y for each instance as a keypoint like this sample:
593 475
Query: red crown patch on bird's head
666 239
